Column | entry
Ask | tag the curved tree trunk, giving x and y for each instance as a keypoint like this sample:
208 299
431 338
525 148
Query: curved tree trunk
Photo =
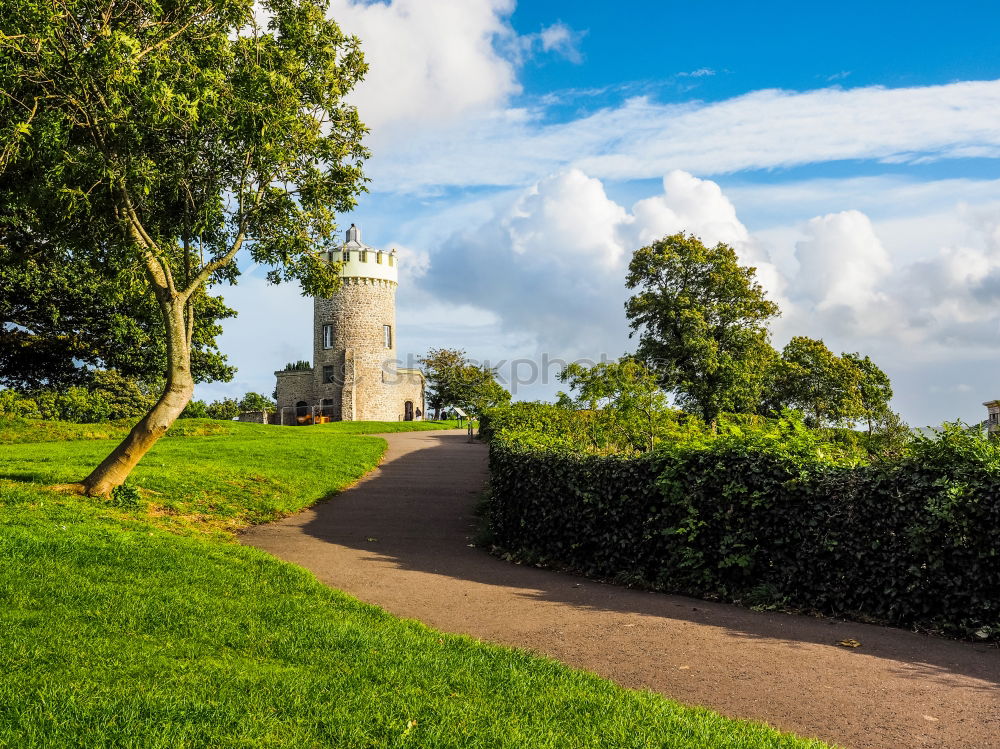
115 468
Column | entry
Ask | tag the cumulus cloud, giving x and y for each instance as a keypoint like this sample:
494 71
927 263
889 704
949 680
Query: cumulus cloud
759 130
841 262
552 262
429 61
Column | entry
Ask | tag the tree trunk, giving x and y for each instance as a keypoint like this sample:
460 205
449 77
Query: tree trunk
115 468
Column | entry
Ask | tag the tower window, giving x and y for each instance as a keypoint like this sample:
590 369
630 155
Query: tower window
327 374
392 260
387 330
364 256
347 256
378 257
327 336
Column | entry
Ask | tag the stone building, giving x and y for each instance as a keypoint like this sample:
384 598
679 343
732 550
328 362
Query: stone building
354 374
993 418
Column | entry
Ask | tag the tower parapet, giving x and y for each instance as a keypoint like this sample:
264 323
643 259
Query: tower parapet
358 260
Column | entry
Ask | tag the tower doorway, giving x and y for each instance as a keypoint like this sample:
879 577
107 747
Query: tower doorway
408 411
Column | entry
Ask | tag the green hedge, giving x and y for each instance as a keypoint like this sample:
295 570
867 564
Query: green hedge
771 523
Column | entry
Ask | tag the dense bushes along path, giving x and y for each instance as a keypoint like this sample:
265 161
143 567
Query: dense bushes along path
401 538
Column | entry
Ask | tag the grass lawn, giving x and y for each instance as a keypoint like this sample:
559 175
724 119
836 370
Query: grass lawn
146 626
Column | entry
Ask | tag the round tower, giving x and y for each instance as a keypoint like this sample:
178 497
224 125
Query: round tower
354 376
354 340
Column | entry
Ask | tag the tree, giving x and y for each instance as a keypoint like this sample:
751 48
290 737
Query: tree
813 379
441 367
702 324
454 381
60 321
160 140
226 409
874 391
628 390
257 402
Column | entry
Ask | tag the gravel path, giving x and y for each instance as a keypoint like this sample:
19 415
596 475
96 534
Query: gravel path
401 539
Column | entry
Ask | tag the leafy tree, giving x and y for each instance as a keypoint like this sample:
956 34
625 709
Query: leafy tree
874 391
158 140
628 391
257 402
441 367
702 324
477 389
832 389
227 409
195 409
815 380
297 366
454 381
60 320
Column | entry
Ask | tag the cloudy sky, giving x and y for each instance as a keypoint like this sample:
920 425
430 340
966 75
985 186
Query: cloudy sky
522 150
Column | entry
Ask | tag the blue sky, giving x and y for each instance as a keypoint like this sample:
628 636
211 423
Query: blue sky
523 150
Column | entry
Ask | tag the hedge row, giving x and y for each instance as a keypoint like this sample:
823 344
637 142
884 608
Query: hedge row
915 544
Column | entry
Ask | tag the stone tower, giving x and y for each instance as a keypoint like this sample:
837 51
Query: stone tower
354 376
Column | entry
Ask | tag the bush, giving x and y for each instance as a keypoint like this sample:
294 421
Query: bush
195 409
108 397
607 432
257 402
226 409
771 516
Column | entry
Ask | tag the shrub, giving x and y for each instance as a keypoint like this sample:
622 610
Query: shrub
774 514
195 409
126 496
257 402
227 409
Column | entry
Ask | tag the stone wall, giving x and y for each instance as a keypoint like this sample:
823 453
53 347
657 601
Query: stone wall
294 386
255 417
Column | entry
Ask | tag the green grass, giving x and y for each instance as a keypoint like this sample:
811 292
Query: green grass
145 626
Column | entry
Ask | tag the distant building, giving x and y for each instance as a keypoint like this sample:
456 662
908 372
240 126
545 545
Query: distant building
993 418
354 376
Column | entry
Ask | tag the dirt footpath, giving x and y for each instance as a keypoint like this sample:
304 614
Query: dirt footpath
401 539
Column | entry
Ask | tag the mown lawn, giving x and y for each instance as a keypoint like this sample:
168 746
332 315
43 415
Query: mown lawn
146 626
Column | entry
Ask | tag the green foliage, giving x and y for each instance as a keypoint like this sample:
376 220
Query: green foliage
874 391
626 399
107 397
195 409
59 320
702 320
227 408
782 509
608 430
126 496
257 402
298 366
452 380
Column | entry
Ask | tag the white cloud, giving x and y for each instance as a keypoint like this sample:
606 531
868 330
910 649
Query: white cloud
562 40
551 263
759 130
687 201
428 62
699 73
841 262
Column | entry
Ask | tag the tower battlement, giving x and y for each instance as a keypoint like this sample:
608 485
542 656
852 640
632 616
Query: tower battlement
358 260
